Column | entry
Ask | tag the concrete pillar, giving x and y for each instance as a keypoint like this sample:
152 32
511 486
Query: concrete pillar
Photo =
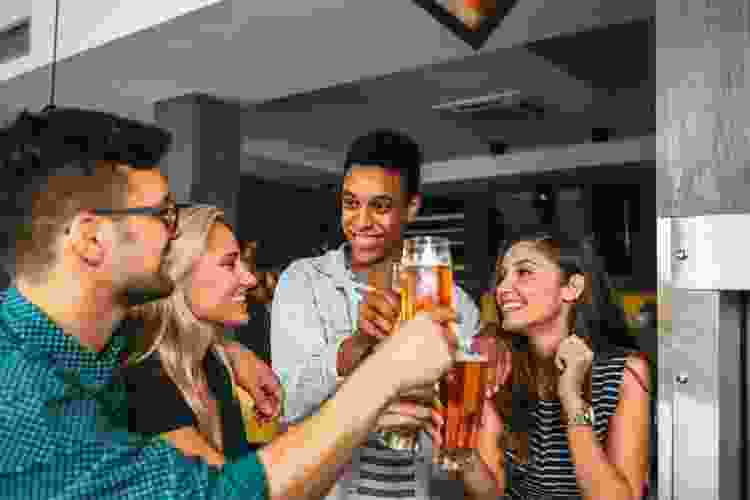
702 96
204 164
702 113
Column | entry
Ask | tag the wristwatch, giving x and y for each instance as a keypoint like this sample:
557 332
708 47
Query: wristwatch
583 417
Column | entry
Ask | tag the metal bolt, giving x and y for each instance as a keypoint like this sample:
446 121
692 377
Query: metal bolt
681 254
682 379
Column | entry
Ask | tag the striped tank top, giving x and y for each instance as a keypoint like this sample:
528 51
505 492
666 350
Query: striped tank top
385 473
550 473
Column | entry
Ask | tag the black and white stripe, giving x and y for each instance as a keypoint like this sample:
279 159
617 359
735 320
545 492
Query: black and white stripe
550 473
385 473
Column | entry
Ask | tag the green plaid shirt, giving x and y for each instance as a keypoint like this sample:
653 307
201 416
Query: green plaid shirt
53 443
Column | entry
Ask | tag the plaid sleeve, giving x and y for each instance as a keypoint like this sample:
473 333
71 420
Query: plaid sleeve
68 456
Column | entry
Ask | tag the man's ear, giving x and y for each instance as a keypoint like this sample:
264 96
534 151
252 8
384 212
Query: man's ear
85 236
575 288
412 209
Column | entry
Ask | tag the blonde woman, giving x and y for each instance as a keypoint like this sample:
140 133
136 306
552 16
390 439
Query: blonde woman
181 382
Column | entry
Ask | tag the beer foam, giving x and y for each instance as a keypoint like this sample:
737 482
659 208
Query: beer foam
463 356
424 253
429 260
421 262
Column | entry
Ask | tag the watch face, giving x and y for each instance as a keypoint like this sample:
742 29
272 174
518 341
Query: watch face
584 418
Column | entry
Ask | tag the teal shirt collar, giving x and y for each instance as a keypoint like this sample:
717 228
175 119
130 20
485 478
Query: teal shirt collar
30 328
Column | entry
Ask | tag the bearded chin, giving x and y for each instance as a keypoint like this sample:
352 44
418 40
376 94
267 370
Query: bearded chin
142 290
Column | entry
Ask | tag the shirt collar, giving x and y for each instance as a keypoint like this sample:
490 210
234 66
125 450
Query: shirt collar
337 264
38 335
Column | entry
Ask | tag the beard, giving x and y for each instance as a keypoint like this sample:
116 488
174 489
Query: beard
139 290
142 288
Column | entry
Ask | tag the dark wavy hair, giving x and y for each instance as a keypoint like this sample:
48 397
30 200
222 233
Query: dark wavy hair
596 317
388 149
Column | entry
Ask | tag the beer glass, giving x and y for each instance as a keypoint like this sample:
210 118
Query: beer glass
462 395
424 278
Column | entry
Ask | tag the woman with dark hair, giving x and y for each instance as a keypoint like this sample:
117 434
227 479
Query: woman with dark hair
571 416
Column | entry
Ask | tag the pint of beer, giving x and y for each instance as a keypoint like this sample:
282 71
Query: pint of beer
424 278
426 274
462 393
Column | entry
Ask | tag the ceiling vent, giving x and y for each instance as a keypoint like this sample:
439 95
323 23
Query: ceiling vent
496 100
505 105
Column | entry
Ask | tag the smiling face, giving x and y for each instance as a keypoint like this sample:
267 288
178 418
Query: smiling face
533 296
220 280
374 211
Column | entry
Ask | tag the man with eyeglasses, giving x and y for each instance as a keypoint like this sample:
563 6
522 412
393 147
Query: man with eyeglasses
90 245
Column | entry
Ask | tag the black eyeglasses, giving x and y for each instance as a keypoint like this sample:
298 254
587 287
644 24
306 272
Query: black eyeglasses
169 214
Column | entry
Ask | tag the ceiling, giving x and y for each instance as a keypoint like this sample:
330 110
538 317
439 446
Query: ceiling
312 75
579 86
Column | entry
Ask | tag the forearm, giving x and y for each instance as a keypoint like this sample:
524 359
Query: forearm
350 354
244 362
486 481
597 476
305 461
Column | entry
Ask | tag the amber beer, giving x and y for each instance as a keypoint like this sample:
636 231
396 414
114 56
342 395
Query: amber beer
424 287
424 278
462 393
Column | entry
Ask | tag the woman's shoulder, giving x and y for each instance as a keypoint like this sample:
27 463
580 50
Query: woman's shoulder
639 367
620 357
613 368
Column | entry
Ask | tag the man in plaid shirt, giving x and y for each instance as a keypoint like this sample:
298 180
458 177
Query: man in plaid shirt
90 245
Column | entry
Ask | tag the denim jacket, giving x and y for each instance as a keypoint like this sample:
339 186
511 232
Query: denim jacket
315 308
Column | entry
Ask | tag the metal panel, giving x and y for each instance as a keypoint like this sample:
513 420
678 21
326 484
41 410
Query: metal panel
665 373
708 252
700 373
692 356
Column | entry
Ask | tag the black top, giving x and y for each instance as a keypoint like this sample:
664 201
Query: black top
256 334
156 404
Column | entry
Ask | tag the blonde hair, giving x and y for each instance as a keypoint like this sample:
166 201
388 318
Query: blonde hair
181 339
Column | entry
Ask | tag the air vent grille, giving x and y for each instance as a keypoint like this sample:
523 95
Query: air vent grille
497 100
502 106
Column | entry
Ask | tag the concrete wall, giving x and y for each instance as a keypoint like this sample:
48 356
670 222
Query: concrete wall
702 111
